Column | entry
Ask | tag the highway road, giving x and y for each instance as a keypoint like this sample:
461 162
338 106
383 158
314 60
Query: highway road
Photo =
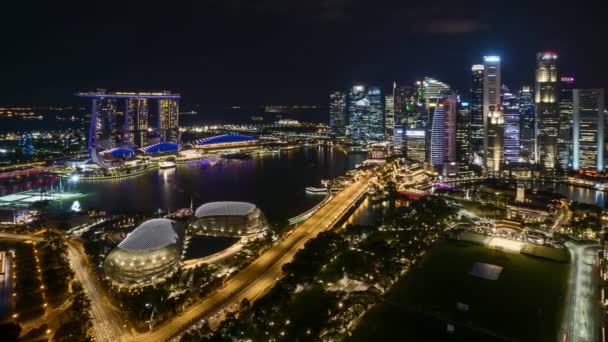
582 308
257 279
107 324
19 237
563 218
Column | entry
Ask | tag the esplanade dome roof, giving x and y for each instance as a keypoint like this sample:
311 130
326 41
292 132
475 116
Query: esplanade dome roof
224 209
150 235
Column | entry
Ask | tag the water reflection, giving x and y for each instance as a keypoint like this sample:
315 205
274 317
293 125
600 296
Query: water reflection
274 182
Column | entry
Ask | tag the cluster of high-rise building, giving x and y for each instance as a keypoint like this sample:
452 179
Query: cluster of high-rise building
548 127
132 118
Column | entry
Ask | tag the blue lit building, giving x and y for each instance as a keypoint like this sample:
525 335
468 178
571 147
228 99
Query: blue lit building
226 140
162 147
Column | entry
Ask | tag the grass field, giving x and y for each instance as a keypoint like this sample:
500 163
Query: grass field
524 304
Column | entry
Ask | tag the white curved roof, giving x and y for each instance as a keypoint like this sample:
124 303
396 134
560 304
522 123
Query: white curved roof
152 234
224 209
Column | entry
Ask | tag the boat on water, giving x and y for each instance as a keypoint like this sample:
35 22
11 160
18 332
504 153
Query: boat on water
166 164
311 190
316 191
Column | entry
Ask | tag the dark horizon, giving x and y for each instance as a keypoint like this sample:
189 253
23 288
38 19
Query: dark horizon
234 53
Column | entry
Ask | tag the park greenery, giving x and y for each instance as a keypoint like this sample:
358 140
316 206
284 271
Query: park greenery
309 303
28 285
56 271
77 320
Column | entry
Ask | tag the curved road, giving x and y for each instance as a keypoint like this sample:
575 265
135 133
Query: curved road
258 277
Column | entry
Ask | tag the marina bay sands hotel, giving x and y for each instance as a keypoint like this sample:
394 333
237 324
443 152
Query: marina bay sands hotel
132 118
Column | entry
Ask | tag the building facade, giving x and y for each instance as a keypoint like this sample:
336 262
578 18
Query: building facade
492 115
416 143
527 128
512 125
588 129
389 115
564 137
138 124
168 120
403 97
358 114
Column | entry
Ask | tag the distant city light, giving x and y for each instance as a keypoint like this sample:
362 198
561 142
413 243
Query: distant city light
549 55
418 133
477 67
74 178
491 58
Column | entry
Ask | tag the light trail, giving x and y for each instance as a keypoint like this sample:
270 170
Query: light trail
582 310
107 325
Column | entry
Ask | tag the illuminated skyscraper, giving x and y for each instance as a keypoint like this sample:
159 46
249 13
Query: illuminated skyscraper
138 121
389 115
337 113
546 110
527 131
564 137
492 115
476 109
588 129
443 132
404 105
110 133
111 126
358 114
376 114
463 137
168 120
511 115
398 139
433 91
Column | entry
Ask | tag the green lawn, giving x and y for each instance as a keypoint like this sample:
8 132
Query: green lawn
524 304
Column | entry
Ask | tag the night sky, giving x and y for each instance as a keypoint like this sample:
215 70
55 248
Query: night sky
283 52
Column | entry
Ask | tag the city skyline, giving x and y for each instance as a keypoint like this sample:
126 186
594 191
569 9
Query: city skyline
303 170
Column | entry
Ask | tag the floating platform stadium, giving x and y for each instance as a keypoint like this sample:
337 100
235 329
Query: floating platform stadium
28 198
